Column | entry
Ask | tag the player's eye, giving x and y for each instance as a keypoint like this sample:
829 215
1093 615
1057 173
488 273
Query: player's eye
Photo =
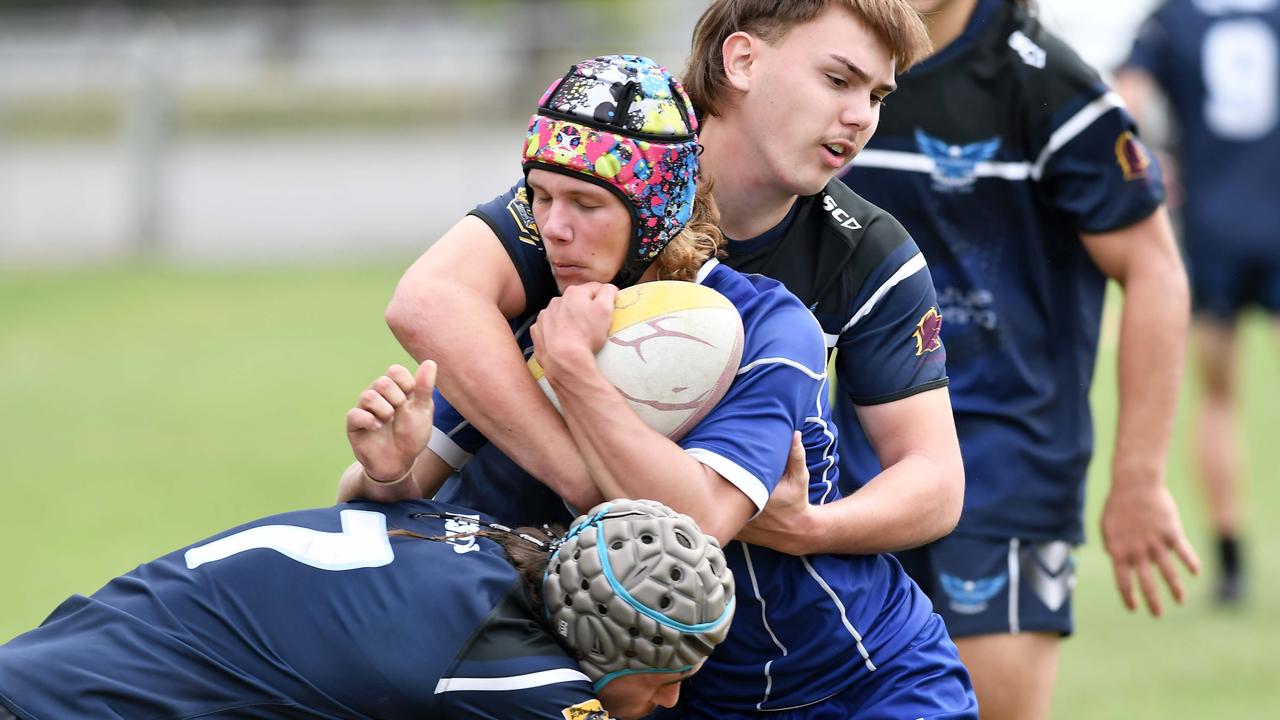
838 81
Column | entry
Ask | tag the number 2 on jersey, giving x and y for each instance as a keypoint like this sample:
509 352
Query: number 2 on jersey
363 543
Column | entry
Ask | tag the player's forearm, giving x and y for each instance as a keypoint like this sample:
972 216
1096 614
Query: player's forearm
914 501
628 459
1153 336
484 375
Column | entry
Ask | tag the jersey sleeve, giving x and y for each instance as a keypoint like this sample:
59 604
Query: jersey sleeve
1096 171
510 217
746 438
891 346
453 438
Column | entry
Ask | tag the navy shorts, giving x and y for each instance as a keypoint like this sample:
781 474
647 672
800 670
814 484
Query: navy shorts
926 681
1224 283
984 586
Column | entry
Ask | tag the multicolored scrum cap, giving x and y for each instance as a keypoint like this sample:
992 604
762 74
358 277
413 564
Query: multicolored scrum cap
636 587
625 123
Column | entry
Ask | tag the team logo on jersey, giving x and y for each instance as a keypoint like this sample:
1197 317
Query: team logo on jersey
955 167
589 710
1132 156
928 332
522 213
1027 49
970 597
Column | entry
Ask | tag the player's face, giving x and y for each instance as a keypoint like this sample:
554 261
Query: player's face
635 696
813 99
585 229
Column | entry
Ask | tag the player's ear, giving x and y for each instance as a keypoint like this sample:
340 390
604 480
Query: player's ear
738 52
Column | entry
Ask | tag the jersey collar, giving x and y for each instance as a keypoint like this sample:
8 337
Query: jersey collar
981 18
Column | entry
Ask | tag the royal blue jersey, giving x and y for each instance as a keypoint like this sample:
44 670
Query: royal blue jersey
310 614
1218 62
805 627
996 154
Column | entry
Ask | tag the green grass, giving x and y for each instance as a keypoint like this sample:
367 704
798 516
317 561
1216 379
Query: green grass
144 408
1196 661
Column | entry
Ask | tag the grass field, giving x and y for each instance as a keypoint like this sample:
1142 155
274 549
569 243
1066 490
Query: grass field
144 408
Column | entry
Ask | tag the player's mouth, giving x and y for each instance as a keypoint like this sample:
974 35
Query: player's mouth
838 152
569 272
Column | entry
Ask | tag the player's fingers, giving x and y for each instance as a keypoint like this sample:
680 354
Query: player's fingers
360 420
390 391
1187 554
424 382
1124 582
402 377
1150 591
797 465
372 401
1170 575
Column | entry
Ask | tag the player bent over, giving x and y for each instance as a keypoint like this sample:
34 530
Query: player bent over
362 610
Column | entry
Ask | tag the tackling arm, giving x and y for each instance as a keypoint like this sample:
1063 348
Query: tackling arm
915 499
452 305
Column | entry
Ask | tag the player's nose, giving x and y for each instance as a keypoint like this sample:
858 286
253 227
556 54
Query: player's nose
668 695
555 224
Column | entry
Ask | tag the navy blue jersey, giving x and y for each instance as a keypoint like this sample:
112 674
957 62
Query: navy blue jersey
1218 62
309 614
806 627
996 154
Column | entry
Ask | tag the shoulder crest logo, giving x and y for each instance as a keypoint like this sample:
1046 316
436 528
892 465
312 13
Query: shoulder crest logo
955 167
1031 53
522 213
1132 156
928 334
589 710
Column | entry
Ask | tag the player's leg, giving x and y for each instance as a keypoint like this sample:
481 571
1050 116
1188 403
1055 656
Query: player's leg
1013 675
1221 283
1006 604
1217 446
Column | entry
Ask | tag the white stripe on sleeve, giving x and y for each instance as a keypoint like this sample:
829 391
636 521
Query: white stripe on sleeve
511 682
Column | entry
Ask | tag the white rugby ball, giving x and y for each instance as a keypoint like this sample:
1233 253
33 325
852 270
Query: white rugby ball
673 350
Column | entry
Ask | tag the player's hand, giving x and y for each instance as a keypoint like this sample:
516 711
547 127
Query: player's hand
1142 532
780 526
391 422
573 327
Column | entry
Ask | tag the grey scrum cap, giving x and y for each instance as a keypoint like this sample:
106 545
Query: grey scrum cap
637 587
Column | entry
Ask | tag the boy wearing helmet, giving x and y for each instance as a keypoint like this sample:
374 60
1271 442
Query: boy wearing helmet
789 93
880 651
324 613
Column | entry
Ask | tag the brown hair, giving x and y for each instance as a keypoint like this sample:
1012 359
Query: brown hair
894 22
529 560
698 242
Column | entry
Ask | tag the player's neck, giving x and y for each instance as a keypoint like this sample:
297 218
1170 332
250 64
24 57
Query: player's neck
947 22
749 199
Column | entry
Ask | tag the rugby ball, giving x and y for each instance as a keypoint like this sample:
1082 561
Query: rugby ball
672 352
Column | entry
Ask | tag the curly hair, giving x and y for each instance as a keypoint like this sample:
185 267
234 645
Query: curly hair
698 242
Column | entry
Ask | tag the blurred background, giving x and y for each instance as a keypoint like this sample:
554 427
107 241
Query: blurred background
204 207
